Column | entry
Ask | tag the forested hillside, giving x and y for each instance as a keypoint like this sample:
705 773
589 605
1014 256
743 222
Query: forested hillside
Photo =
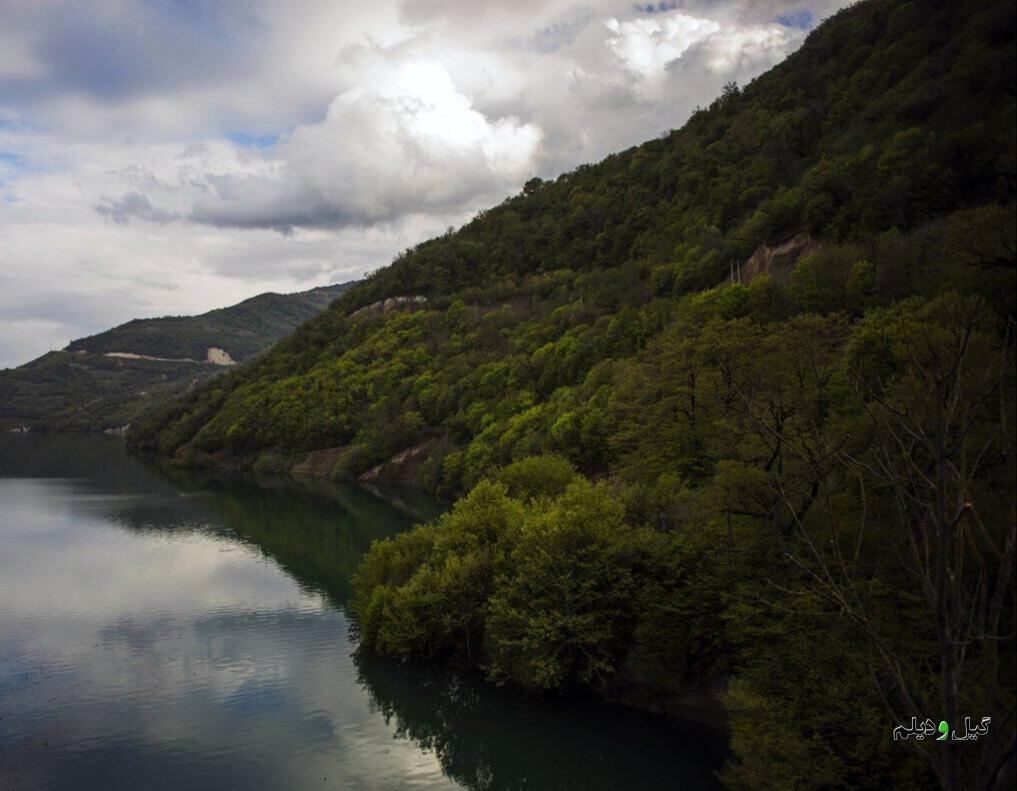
241 330
731 410
84 388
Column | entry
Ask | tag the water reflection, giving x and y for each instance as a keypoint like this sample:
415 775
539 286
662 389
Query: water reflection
160 629
147 640
487 738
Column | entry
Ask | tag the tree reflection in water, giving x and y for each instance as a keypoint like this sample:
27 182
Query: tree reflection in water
491 739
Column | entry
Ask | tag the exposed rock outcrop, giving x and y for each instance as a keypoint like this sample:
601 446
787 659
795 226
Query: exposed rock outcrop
218 356
776 259
385 305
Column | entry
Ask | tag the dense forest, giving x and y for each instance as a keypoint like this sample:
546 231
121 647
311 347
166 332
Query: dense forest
732 411
81 388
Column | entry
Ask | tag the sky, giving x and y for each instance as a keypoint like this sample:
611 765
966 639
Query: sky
166 157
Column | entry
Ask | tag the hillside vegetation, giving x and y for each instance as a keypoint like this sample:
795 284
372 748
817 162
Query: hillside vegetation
241 330
83 389
730 410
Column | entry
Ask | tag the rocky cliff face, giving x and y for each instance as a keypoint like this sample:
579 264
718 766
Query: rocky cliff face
385 305
776 259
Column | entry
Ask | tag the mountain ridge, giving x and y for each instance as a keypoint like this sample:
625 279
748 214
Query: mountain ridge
104 381
238 329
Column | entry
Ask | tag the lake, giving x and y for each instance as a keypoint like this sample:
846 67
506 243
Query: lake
161 629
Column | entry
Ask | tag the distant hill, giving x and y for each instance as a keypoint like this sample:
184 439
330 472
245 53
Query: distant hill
106 380
240 330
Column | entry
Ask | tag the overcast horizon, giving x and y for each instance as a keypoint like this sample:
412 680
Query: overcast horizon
171 157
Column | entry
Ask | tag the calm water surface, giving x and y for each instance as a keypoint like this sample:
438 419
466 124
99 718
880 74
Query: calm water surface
160 630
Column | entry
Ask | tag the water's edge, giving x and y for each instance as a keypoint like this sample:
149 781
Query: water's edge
166 628
693 705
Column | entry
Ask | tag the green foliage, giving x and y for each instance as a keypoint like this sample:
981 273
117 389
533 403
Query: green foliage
550 593
557 616
424 593
750 331
678 637
70 392
804 711
538 476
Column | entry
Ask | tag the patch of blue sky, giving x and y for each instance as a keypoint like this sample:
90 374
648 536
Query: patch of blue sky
249 140
12 165
800 19
9 124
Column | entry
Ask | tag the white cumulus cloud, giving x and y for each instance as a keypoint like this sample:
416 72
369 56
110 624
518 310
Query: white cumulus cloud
647 44
410 143
748 47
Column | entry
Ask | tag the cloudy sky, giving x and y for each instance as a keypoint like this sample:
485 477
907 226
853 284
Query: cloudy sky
170 156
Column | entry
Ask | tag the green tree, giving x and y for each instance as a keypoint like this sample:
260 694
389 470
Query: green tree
537 476
558 612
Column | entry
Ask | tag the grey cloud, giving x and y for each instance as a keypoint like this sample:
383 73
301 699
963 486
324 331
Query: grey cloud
658 8
249 203
116 51
194 150
423 12
55 304
132 204
301 259
306 270
561 32
35 321
309 259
